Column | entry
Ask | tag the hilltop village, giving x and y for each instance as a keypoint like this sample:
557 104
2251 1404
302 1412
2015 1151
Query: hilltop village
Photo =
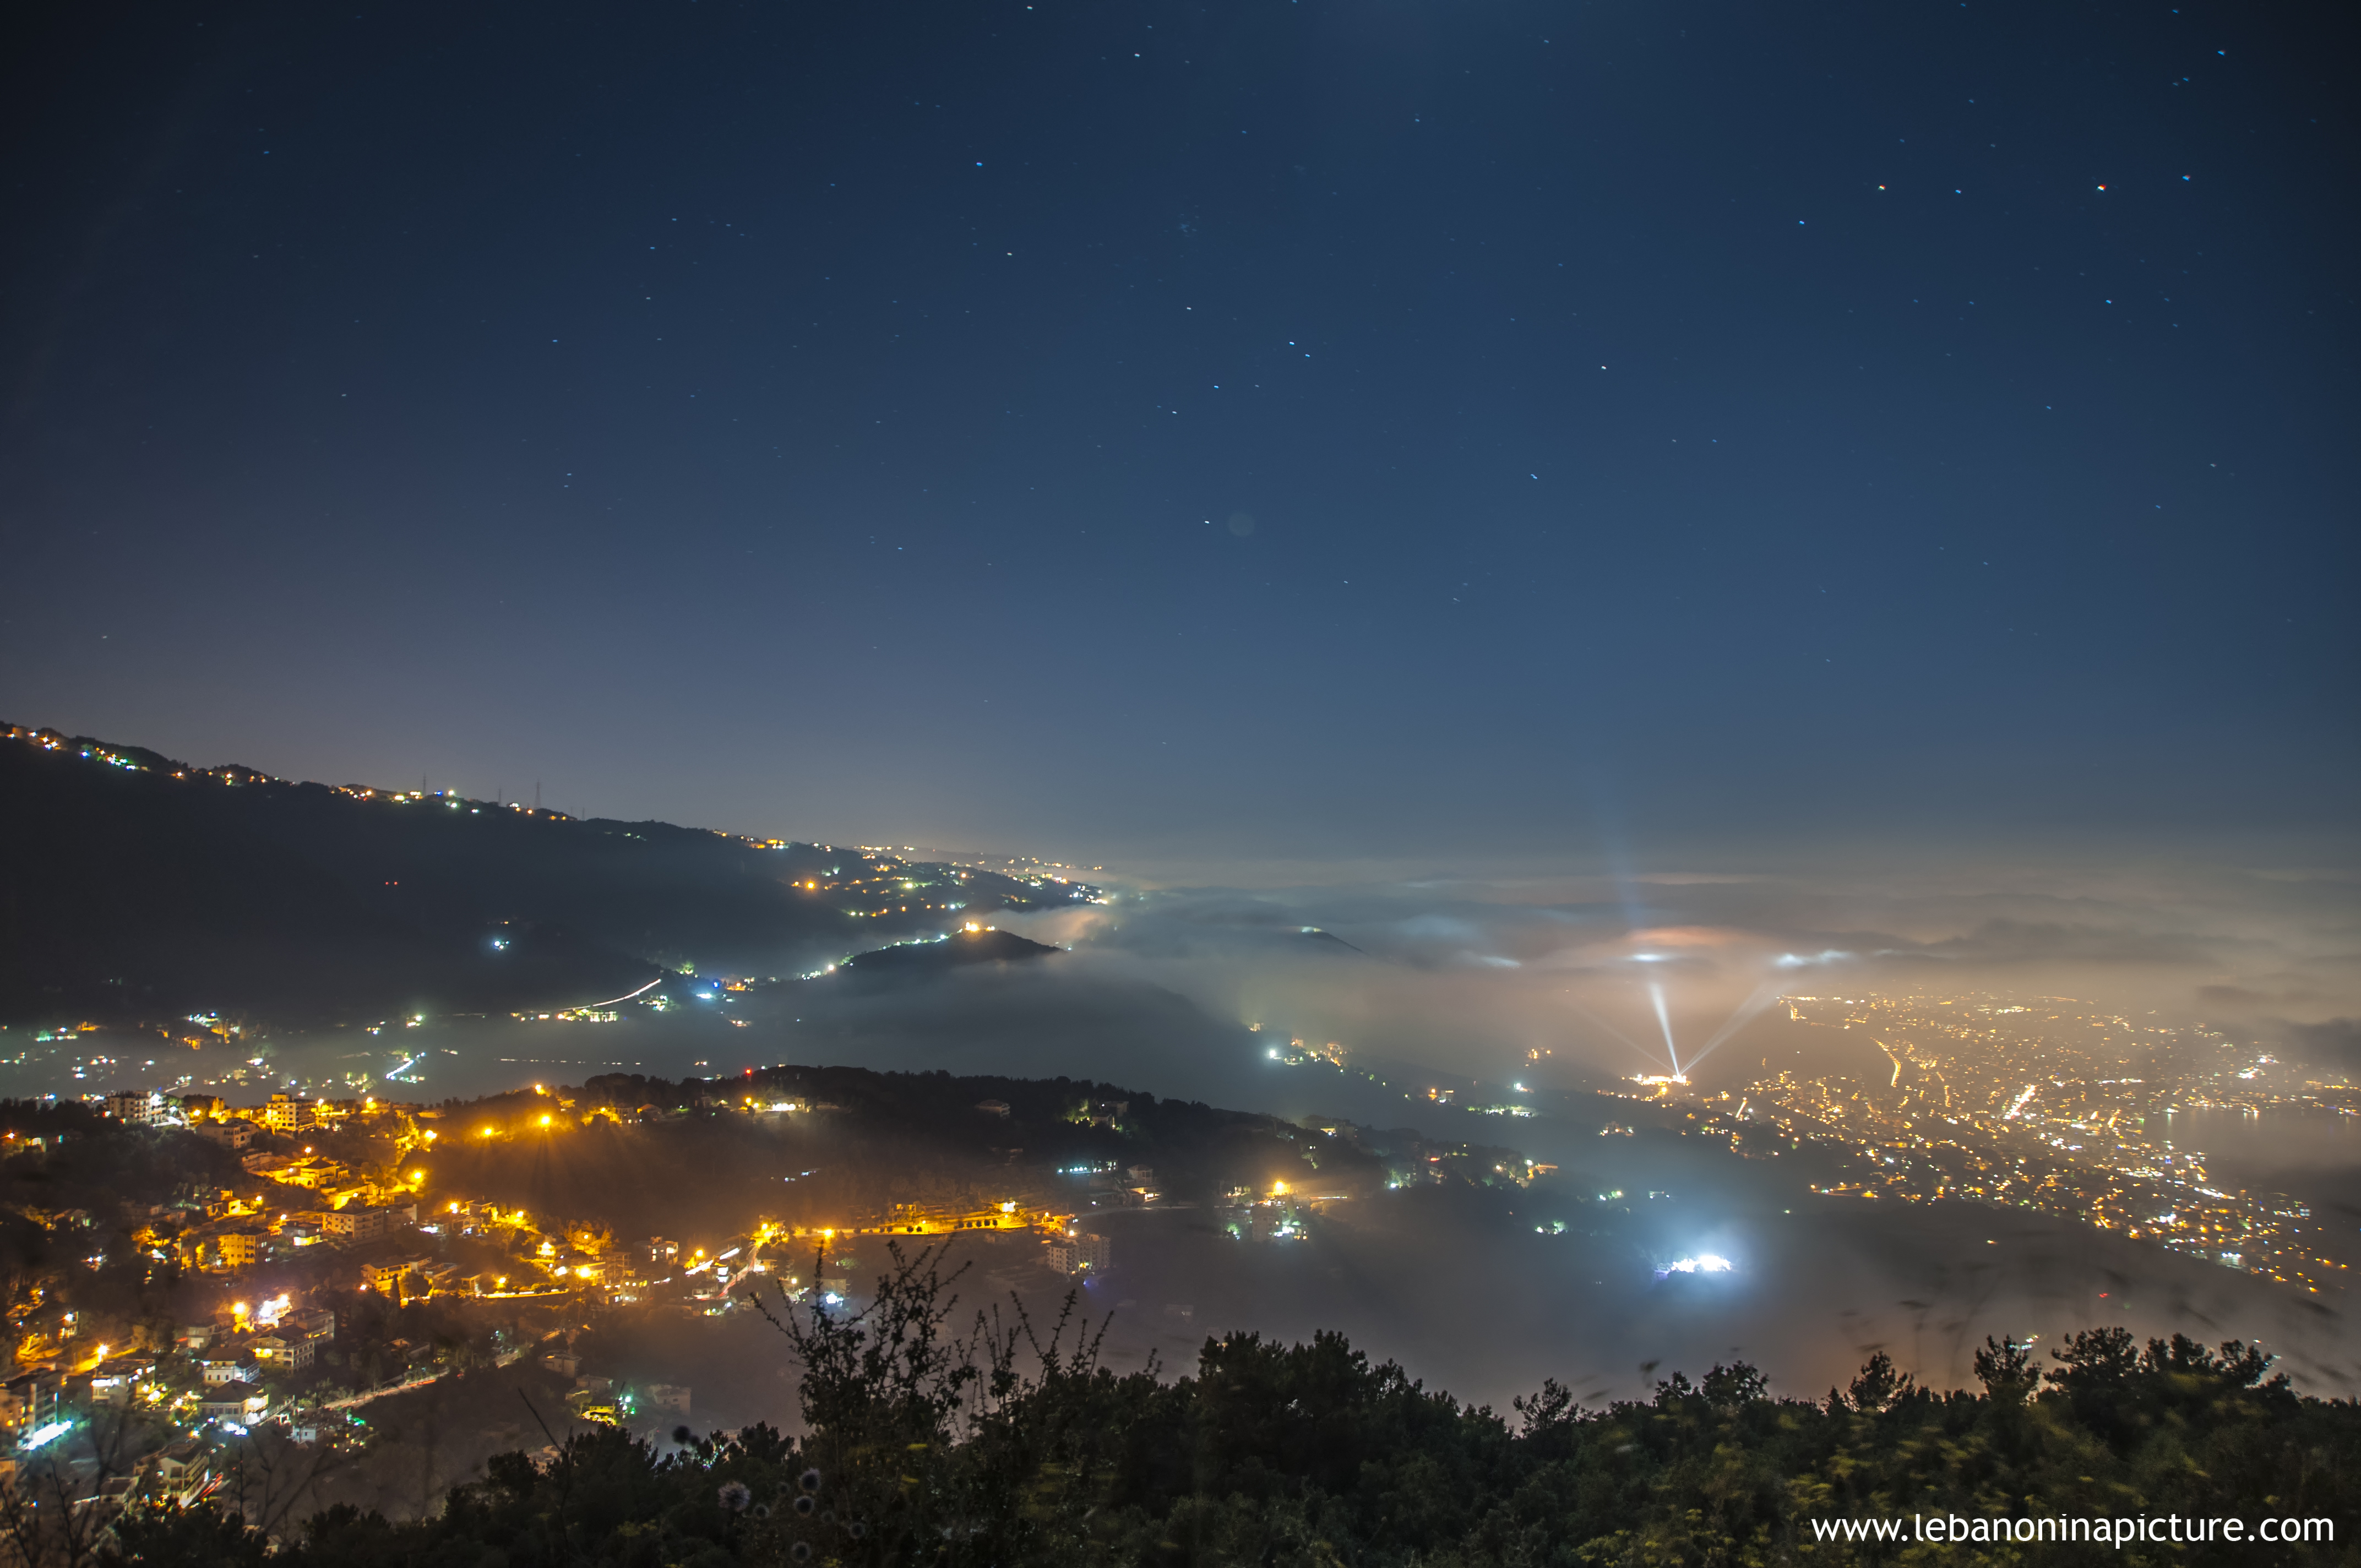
216 1270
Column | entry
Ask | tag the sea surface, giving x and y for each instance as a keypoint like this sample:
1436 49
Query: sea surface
2311 1153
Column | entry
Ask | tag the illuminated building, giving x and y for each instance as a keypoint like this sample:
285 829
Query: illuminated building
1084 1253
137 1107
234 1133
288 1114
360 1222
239 1249
284 1354
221 1371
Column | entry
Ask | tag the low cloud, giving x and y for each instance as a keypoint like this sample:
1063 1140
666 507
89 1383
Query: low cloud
2008 942
2333 1042
1473 974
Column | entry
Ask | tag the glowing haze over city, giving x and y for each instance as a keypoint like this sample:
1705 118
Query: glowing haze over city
1570 689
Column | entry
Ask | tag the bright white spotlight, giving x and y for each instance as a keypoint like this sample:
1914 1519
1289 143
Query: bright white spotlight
1703 1263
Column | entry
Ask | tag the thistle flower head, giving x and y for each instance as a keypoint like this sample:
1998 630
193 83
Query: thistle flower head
735 1496
809 1480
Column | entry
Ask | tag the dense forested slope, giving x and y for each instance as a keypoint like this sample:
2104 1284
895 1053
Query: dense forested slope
1010 1447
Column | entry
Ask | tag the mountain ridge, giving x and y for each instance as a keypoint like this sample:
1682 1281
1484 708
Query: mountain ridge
140 887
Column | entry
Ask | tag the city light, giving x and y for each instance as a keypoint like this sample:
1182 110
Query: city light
1703 1263
2048 1105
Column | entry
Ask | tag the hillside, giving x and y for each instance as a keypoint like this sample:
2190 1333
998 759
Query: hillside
978 947
136 887
90 1205
923 1423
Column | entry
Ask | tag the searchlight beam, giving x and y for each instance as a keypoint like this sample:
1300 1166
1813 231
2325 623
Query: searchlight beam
1665 1021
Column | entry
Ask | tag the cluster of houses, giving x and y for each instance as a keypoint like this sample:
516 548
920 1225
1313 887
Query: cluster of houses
595 1398
338 1207
210 1116
233 1364
41 1401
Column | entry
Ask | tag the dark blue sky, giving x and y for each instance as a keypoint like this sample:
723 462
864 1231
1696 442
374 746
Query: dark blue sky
1920 421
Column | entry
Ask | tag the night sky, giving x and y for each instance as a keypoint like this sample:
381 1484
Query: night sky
1161 431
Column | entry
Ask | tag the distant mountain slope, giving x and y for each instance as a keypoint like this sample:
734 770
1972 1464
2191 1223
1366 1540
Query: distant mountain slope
132 885
959 948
